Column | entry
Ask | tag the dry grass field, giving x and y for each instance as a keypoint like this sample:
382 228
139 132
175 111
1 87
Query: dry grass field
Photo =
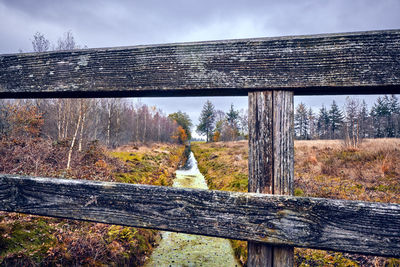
328 169
323 168
40 241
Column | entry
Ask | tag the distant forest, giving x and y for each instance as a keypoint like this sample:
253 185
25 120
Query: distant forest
352 122
113 122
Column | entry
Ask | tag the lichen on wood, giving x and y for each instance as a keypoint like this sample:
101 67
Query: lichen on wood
361 62
350 226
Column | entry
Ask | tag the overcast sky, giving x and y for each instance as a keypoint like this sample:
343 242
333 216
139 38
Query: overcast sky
100 23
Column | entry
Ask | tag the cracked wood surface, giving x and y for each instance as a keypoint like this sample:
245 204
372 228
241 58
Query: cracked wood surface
350 226
348 63
271 162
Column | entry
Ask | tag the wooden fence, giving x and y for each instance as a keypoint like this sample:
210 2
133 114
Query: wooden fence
270 71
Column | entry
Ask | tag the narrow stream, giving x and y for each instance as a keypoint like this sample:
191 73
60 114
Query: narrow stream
176 249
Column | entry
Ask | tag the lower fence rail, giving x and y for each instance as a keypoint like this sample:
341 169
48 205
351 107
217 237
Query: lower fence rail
340 225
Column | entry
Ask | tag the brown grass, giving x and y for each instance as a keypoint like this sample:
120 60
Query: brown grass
39 241
328 169
323 168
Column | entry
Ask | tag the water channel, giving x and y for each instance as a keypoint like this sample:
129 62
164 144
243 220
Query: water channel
176 249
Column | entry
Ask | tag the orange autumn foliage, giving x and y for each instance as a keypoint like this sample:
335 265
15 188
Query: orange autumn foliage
216 136
25 120
180 135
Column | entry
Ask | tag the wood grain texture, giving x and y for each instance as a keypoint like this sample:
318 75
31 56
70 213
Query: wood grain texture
271 162
352 226
363 62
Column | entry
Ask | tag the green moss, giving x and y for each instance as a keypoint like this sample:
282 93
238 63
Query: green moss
126 178
310 257
393 262
240 250
346 155
126 234
384 188
141 167
31 238
146 239
127 156
239 183
298 192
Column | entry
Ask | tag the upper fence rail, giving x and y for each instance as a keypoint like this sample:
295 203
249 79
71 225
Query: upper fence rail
349 63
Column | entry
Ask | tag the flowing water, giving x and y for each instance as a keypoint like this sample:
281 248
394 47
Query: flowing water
176 249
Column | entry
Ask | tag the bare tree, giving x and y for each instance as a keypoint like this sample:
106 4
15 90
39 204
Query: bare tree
96 114
67 42
86 106
66 117
40 43
244 122
312 123
79 120
352 134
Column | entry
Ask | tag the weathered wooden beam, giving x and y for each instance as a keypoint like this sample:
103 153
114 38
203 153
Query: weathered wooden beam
271 162
348 63
351 226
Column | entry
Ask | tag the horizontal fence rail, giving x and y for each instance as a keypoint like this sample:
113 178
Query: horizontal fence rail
349 226
351 63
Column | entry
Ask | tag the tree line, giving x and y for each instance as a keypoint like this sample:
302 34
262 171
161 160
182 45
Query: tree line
113 122
352 122
217 125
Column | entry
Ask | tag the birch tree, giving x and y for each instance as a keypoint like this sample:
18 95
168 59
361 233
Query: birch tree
79 120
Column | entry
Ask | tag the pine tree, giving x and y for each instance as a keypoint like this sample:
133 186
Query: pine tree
394 106
394 114
311 122
323 123
379 114
389 125
336 119
232 118
301 122
352 137
363 119
206 121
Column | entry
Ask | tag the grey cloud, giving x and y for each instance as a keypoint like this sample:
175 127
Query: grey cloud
115 23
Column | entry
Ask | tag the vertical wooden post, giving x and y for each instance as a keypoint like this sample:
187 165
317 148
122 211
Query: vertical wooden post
271 162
